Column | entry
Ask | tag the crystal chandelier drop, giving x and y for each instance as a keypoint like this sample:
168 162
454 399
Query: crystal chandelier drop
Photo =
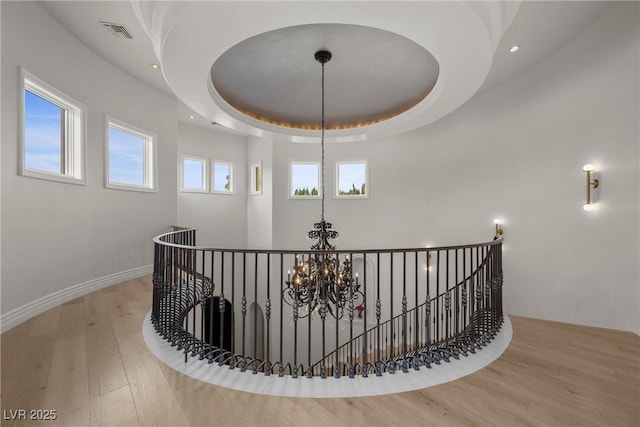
321 283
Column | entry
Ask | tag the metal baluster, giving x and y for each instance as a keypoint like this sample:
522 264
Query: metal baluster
392 350
309 315
405 369
232 362
323 318
336 365
281 359
447 304
427 309
210 299
416 332
480 295
500 282
201 302
255 314
378 312
184 289
365 358
351 319
193 261
438 297
455 305
243 311
221 309
267 370
464 297
295 331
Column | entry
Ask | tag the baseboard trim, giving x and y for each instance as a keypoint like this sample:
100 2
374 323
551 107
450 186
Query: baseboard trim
23 313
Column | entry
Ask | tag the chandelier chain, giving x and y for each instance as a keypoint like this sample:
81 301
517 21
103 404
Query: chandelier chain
322 146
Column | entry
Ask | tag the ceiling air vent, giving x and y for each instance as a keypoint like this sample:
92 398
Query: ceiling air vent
117 30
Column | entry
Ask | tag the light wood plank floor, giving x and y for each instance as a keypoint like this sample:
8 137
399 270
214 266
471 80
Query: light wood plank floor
87 360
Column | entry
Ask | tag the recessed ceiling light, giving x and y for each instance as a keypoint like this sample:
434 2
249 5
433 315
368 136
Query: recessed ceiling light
192 117
155 66
514 48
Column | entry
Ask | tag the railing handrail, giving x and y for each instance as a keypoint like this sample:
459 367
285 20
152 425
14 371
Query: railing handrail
463 314
158 239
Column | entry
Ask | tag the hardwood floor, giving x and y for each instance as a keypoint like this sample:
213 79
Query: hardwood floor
87 361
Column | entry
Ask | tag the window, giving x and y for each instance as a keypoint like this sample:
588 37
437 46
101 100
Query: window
304 179
130 157
352 179
52 138
195 174
223 177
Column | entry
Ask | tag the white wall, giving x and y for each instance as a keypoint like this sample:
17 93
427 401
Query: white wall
221 219
260 206
515 152
56 236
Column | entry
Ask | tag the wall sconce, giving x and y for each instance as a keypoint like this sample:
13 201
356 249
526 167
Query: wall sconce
590 183
498 224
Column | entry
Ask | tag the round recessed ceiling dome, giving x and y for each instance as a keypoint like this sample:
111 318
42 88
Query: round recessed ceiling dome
373 75
396 66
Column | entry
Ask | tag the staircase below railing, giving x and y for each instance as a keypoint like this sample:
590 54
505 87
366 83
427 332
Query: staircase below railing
421 306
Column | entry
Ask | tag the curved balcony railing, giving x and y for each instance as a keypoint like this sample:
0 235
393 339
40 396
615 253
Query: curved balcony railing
419 307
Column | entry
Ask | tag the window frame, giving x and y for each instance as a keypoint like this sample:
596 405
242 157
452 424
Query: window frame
149 172
366 180
73 143
205 173
232 177
319 185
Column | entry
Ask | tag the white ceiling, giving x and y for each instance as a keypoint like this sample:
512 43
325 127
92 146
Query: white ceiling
539 28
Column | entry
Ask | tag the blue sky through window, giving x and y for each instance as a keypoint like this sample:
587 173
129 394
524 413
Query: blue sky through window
222 177
351 175
126 158
193 177
42 134
304 176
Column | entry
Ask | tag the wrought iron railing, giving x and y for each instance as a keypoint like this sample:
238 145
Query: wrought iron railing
421 306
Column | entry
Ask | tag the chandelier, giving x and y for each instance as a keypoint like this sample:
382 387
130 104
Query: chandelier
321 283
